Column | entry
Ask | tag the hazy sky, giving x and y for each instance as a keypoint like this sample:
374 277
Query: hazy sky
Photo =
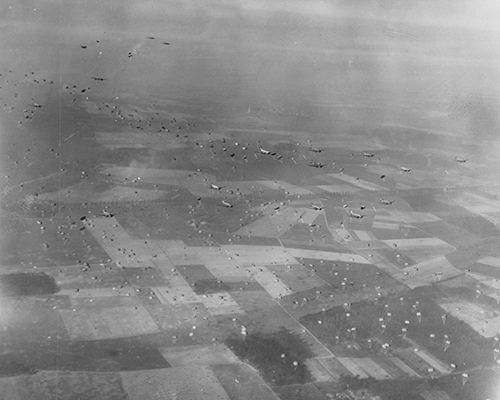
428 64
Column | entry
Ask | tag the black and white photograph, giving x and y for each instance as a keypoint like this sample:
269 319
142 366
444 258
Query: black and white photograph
249 200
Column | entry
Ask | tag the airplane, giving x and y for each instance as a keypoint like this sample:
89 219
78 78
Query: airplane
368 154
215 187
264 151
227 204
405 169
98 78
355 215
316 164
386 202
316 207
460 160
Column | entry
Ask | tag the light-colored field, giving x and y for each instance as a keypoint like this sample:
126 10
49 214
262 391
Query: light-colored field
176 177
92 293
11 388
425 255
228 188
334 367
63 385
342 234
492 261
418 243
477 204
179 316
493 283
352 367
180 383
385 225
121 248
409 217
242 382
317 348
220 304
421 178
428 272
371 368
179 292
321 139
318 371
264 227
198 183
263 312
278 222
217 353
434 395
425 251
487 208
81 194
107 323
181 254
281 185
338 188
364 236
404 367
221 263
296 277
357 182
493 217
326 255
138 140
483 321
433 361
415 362
248 255
271 283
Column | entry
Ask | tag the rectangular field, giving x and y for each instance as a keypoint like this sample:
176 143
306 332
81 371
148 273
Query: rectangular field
217 353
483 321
360 183
188 382
107 323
